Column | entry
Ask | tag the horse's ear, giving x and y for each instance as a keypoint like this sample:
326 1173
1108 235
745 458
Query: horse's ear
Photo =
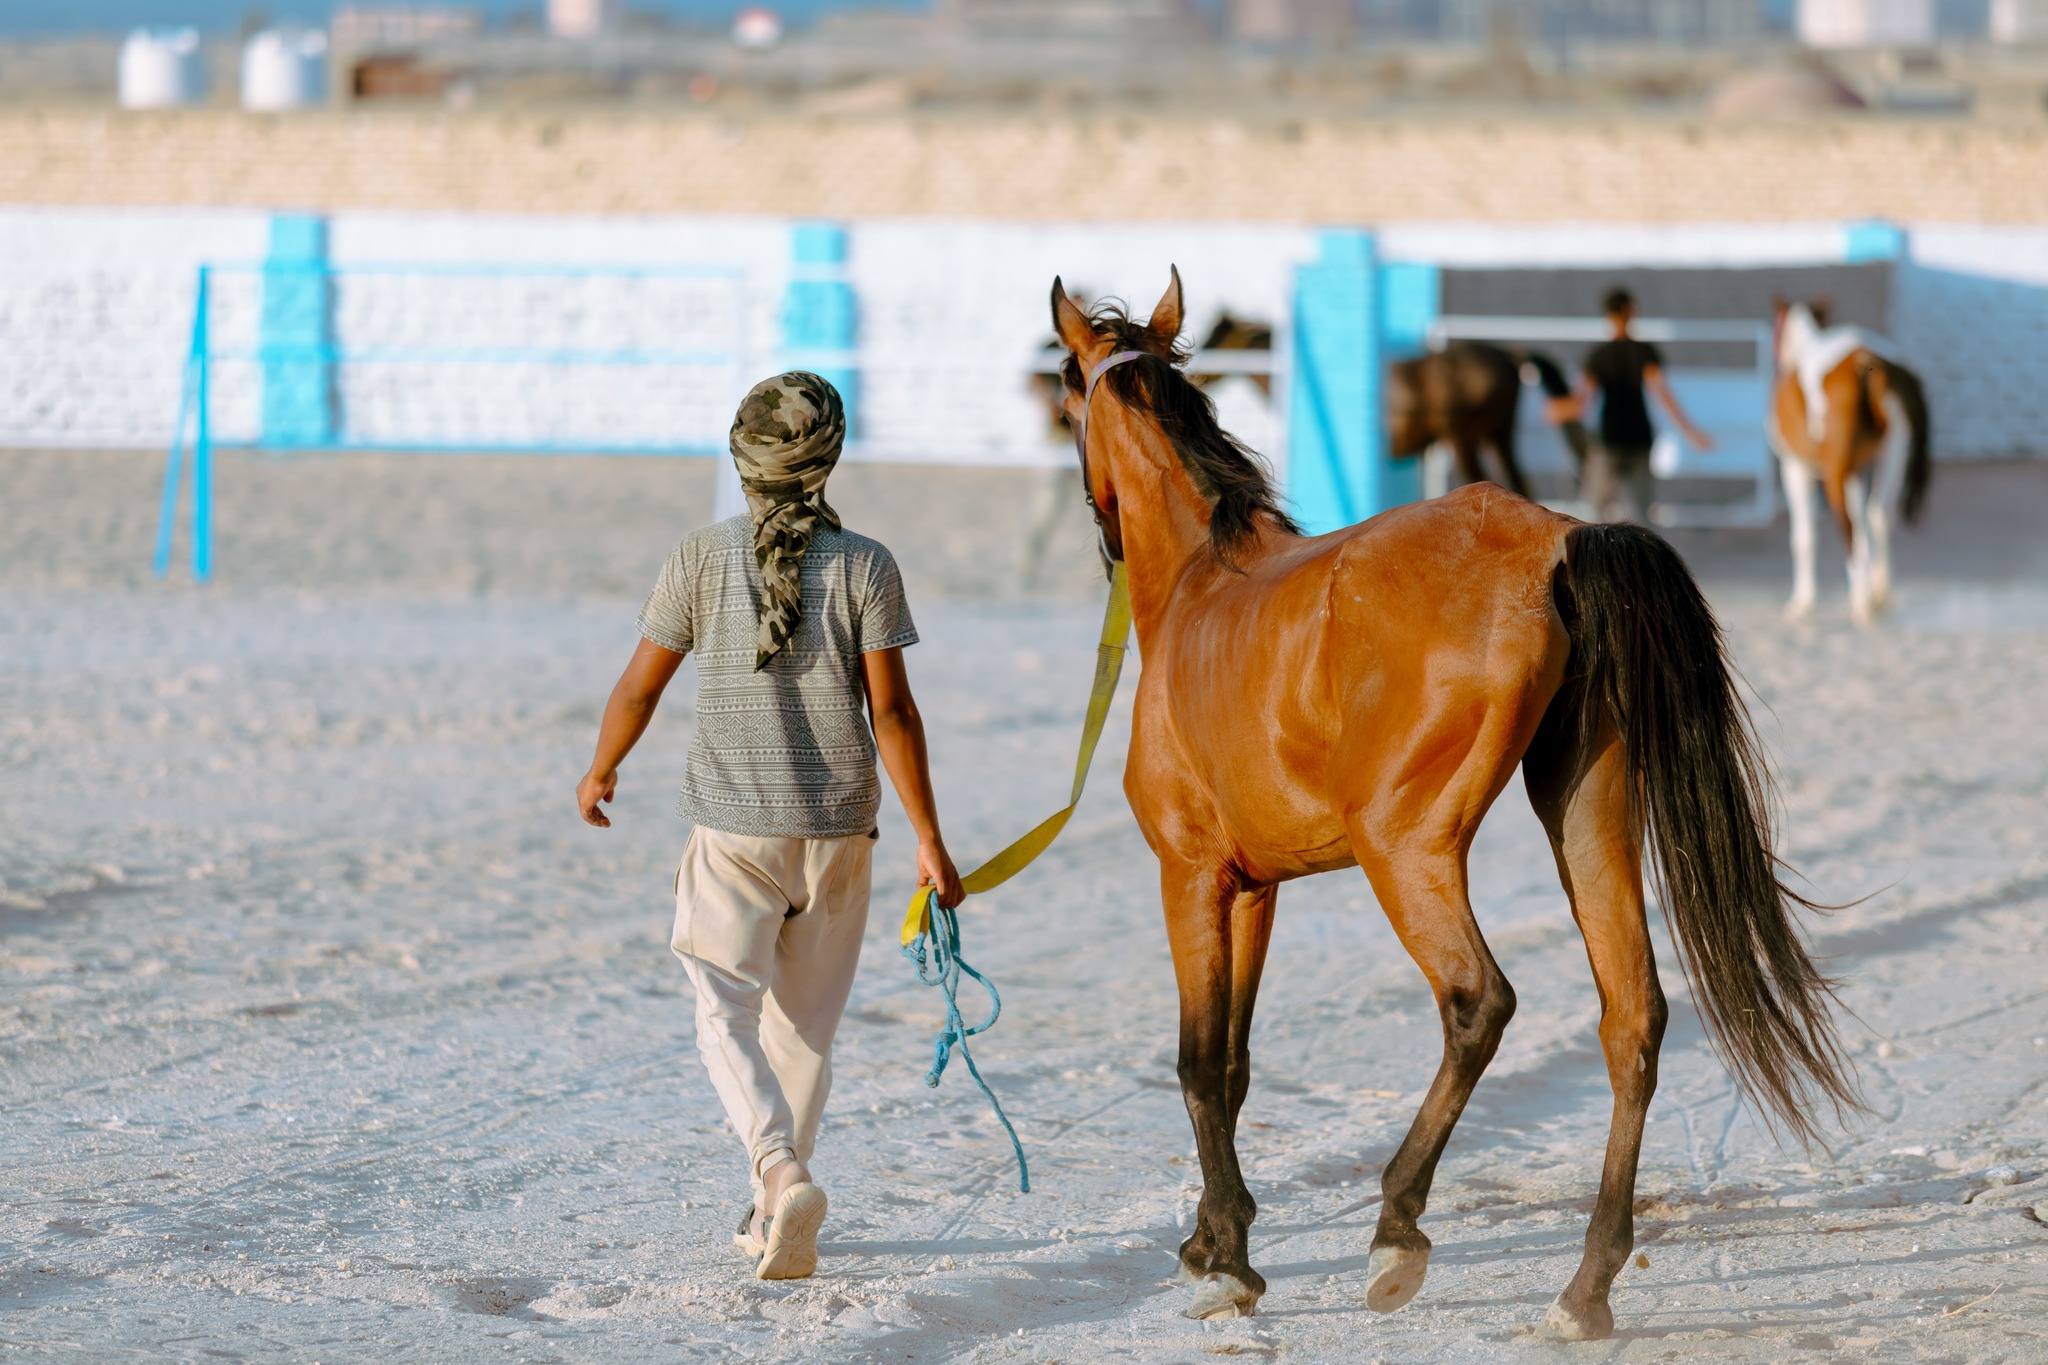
1780 305
1166 314
1068 320
1821 308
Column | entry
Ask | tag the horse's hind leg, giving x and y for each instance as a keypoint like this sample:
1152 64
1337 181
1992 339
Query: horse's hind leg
1504 447
1884 499
1800 485
1582 798
1218 932
1856 503
1423 893
1465 447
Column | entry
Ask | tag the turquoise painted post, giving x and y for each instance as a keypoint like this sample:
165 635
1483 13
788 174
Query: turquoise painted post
195 359
202 443
1411 300
1336 465
295 337
1873 240
821 316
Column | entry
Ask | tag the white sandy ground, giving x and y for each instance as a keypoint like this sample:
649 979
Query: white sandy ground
328 1032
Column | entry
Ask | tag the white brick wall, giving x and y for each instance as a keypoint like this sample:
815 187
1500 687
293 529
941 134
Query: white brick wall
955 314
97 310
95 315
1971 313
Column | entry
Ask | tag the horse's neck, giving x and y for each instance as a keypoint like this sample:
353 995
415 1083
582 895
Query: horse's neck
1165 522
1800 333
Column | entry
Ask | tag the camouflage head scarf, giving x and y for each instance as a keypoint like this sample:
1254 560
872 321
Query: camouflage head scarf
785 440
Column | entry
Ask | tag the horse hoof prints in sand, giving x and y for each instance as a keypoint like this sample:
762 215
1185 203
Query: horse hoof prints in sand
1360 698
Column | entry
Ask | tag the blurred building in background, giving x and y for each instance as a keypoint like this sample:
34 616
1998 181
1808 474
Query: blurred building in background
1715 58
1104 20
584 18
1570 22
1866 23
1290 22
2018 22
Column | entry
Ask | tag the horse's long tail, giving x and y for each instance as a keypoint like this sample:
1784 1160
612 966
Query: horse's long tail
1919 457
1548 373
1648 659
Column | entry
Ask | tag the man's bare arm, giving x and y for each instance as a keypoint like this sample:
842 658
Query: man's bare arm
1572 407
1653 379
626 715
899 735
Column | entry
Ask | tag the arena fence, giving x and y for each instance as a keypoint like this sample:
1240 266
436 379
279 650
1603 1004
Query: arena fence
301 352
496 359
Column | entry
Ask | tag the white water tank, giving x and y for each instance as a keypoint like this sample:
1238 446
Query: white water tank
284 68
757 28
161 68
584 18
1866 23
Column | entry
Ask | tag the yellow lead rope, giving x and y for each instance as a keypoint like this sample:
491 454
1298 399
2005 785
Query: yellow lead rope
1109 663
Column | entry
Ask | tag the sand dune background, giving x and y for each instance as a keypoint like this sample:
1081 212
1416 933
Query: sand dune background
328 1032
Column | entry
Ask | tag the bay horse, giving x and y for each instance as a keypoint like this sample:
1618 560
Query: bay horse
1851 418
1359 699
1466 396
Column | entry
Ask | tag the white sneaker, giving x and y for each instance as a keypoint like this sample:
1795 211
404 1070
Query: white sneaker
749 1245
792 1234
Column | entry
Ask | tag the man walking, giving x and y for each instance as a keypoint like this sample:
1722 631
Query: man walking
796 622
1618 481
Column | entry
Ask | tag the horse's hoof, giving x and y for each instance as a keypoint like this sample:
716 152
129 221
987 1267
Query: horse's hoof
1799 608
1393 1276
1224 1296
1593 1323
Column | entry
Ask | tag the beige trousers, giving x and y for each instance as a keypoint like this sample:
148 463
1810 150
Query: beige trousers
769 931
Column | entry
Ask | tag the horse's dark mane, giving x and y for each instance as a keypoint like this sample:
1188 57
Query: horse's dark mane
1226 471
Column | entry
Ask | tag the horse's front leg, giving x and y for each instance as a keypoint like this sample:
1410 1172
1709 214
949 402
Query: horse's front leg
1422 888
1218 935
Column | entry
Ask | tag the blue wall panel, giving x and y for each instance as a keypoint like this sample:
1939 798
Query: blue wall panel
820 315
1411 300
295 334
1873 240
1335 468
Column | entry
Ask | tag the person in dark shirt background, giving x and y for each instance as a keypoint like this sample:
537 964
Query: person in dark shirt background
1622 369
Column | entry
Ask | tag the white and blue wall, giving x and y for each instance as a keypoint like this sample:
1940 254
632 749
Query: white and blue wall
932 325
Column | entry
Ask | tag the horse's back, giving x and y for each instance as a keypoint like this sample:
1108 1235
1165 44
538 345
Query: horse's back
1445 608
1281 680
1473 555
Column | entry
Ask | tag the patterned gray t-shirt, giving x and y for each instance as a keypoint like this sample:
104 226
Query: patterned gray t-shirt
786 751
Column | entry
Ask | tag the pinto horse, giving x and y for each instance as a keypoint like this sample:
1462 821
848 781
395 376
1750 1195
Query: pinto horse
1359 699
1843 414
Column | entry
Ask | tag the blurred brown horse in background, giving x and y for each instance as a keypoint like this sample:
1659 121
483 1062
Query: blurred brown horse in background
1466 396
1360 699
